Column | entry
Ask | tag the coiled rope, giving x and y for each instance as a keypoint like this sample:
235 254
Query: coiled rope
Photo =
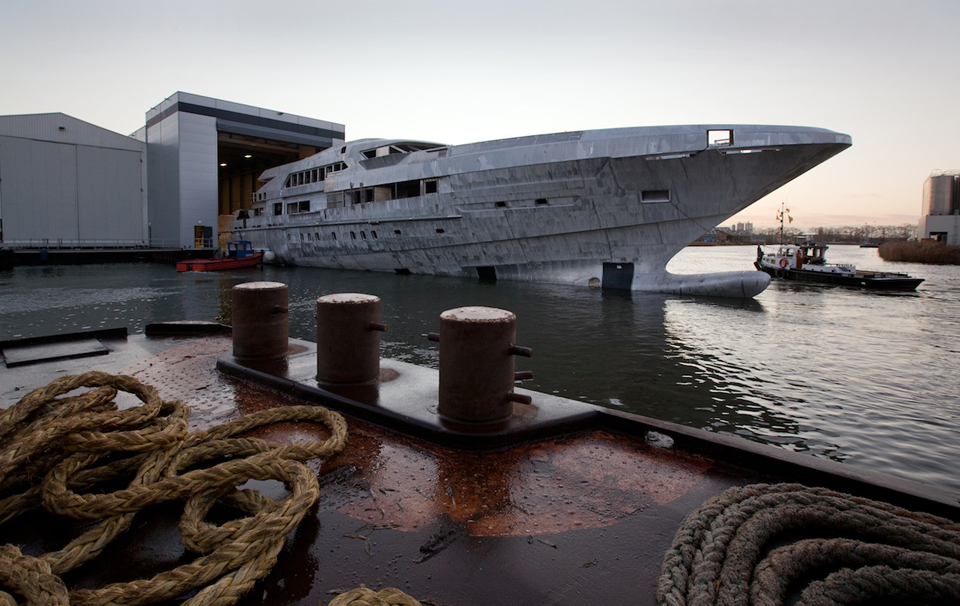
361 596
722 552
57 448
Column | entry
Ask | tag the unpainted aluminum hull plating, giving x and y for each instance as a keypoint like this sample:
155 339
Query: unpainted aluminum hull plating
559 208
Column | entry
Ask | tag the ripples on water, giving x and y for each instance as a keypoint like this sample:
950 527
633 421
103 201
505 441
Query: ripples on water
866 378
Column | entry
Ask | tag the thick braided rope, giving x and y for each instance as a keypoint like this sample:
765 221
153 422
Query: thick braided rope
52 451
863 585
774 574
361 596
717 554
31 578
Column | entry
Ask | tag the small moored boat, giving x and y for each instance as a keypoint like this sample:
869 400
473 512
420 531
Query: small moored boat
240 254
808 263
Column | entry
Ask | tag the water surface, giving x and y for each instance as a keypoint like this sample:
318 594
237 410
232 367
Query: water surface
865 378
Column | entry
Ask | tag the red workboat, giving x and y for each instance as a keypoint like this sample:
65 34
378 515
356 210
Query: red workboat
240 254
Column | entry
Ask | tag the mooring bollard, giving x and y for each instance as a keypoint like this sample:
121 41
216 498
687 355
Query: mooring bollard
477 364
260 320
348 338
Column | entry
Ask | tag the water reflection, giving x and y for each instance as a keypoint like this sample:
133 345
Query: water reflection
727 391
660 356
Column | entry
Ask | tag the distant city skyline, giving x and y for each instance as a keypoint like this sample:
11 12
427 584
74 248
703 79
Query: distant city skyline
760 220
881 72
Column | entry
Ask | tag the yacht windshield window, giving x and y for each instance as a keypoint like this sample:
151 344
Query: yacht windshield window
720 137
396 148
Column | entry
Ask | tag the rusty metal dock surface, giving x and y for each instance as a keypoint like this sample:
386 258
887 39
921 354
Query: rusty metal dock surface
581 512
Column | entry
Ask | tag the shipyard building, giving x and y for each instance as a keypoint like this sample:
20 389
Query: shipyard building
65 183
940 215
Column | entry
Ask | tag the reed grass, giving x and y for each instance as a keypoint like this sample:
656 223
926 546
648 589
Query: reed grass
933 253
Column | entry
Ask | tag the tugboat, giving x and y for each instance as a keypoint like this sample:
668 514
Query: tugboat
240 254
808 263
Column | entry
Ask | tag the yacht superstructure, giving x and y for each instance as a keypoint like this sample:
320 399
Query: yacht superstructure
603 208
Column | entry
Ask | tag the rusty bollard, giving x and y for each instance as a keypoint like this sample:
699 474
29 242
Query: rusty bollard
260 320
348 338
477 364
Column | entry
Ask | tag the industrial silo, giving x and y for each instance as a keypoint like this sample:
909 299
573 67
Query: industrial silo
941 194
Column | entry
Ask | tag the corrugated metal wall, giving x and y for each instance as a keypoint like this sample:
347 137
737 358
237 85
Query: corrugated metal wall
198 178
64 182
163 170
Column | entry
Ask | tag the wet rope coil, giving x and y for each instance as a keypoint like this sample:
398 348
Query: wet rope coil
57 448
722 555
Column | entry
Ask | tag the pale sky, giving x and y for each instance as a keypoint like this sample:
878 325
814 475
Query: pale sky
884 72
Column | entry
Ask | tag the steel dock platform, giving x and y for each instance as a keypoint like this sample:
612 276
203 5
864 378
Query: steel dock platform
566 503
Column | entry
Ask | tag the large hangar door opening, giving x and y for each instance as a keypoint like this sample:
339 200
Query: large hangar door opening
242 159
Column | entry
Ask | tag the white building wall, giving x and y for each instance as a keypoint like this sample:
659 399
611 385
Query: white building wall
198 178
61 128
105 212
37 192
163 171
64 182
941 224
183 179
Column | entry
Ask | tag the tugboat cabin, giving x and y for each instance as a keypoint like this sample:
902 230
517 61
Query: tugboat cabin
799 255
239 249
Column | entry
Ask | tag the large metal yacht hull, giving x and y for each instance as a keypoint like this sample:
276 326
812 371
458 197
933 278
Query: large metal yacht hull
603 208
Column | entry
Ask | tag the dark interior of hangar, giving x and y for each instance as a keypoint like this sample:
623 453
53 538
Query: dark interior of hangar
242 159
